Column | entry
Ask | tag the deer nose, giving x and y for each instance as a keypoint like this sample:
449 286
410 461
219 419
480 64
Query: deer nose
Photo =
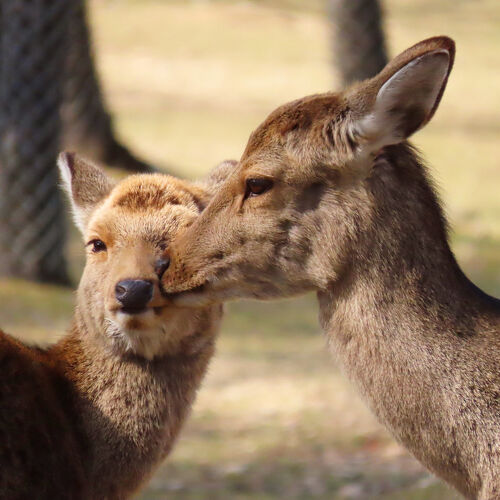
161 265
133 294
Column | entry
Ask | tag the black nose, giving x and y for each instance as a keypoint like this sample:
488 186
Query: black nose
134 294
161 265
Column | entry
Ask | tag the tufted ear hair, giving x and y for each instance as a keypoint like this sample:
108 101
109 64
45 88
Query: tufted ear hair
85 184
217 176
404 96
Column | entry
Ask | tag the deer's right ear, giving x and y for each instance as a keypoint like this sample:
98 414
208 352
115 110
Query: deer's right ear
218 175
403 97
85 184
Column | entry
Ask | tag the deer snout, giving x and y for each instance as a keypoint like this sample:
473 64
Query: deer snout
179 276
134 295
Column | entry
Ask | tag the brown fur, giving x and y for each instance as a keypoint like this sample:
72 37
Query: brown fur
353 215
93 415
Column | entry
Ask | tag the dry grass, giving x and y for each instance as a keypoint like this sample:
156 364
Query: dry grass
188 81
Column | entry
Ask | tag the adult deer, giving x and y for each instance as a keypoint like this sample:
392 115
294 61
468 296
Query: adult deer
91 416
329 196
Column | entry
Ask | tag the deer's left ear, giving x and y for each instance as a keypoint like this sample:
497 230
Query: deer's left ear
85 184
404 96
216 177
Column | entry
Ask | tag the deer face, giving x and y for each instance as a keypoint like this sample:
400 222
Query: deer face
289 217
264 234
126 229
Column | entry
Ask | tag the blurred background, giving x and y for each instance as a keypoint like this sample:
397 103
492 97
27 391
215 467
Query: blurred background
178 86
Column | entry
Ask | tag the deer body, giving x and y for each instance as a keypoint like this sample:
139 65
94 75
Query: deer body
93 415
94 425
420 341
329 196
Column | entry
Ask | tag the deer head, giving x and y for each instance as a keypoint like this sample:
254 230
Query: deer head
126 228
289 217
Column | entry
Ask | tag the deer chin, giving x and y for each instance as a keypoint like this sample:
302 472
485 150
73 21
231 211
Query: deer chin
195 292
200 296
196 296
148 334
212 292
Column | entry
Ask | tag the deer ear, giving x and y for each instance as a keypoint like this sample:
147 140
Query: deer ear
207 187
85 184
406 94
218 175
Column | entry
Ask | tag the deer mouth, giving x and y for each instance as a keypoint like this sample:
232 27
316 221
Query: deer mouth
132 310
196 286
138 311
192 297
141 310
195 290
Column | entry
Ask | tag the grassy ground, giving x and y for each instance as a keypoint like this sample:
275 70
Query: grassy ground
188 81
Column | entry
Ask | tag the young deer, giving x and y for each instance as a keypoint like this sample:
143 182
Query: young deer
91 416
329 196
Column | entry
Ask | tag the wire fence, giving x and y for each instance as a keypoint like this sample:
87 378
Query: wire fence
50 97
32 58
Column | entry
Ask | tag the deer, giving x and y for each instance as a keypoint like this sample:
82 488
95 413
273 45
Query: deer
329 196
91 416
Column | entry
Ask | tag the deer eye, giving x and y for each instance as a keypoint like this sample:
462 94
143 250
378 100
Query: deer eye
97 245
257 186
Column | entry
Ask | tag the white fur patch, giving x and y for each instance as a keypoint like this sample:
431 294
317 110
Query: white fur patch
153 338
416 86
146 343
66 184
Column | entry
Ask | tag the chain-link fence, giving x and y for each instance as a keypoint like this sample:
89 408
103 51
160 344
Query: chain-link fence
32 58
46 73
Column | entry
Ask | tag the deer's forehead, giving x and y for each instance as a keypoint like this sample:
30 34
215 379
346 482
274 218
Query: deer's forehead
121 226
300 114
143 213
299 123
153 192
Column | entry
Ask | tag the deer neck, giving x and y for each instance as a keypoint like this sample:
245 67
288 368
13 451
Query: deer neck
407 326
130 410
403 280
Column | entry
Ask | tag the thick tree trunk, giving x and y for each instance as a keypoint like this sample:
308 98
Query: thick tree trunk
358 38
87 125
32 53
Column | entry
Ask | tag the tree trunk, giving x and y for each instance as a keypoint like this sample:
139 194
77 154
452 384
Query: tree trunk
32 53
358 38
87 125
